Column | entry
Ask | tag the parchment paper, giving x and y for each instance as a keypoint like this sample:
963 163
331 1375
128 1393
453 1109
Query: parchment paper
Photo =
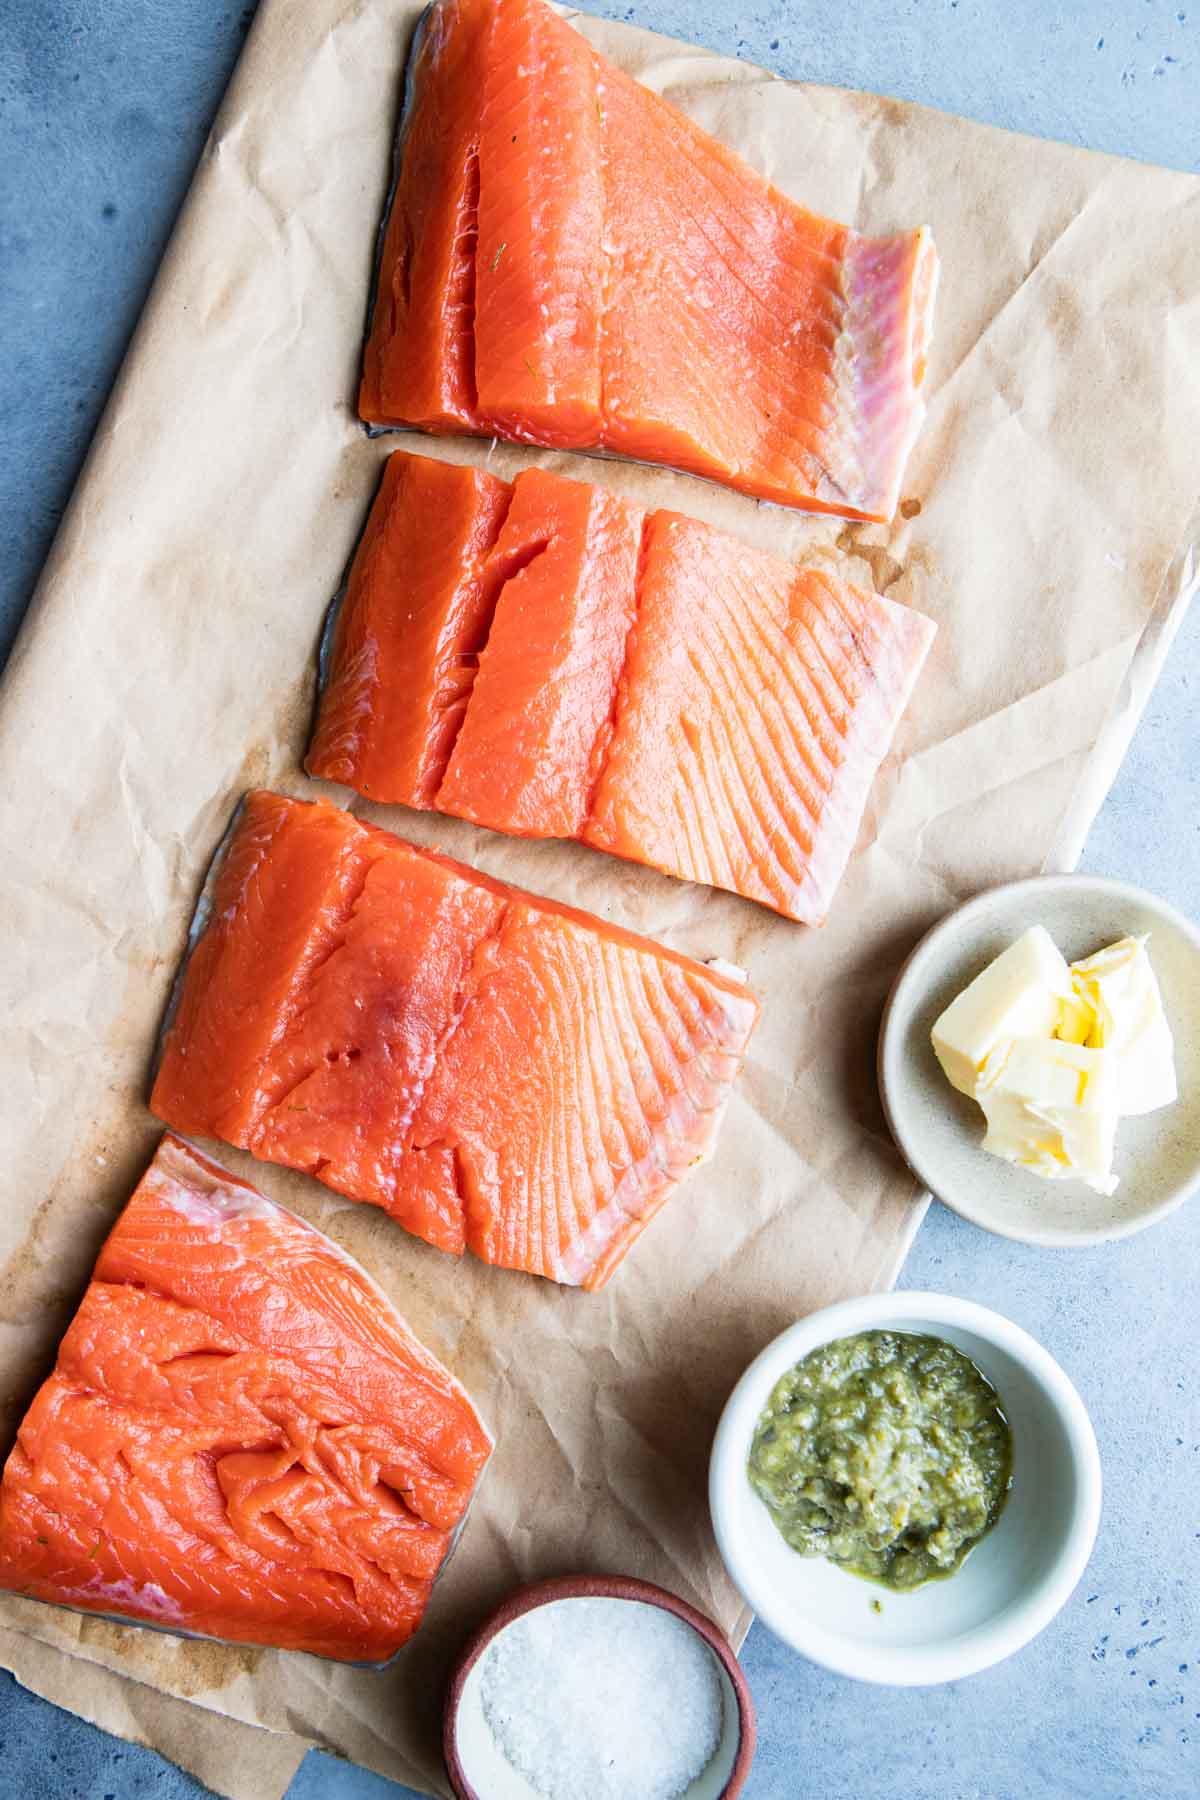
1047 525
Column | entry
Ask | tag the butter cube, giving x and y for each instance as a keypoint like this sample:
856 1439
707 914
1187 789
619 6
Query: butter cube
1076 1021
1053 1108
1020 994
1120 988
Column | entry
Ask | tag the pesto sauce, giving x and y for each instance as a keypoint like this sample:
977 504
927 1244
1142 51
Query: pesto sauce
888 1453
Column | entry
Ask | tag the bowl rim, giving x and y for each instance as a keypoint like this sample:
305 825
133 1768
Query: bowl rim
967 1653
534 1594
915 967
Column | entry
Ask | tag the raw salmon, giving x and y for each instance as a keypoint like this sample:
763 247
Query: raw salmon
642 682
500 1073
240 1438
421 591
569 260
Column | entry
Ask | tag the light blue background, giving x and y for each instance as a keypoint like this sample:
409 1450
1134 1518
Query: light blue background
103 108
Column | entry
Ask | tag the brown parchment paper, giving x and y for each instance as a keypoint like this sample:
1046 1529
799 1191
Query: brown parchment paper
1048 524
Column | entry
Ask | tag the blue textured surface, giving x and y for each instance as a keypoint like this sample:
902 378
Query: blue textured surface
103 108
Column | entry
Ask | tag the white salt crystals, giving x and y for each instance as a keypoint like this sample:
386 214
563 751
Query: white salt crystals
603 1699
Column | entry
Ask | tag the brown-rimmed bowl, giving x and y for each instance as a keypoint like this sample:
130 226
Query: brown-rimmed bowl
476 1767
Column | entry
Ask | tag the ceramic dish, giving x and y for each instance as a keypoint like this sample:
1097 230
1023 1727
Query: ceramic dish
939 1130
478 1770
1011 1584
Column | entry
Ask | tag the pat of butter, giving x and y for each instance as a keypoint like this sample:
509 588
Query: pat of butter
1119 988
1052 1107
1021 994
1077 1022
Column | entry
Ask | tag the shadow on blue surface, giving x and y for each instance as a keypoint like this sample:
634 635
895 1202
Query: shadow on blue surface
103 113
46 1754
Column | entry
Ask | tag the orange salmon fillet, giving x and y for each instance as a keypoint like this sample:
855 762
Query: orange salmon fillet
641 682
420 590
500 1073
241 1438
568 260
538 721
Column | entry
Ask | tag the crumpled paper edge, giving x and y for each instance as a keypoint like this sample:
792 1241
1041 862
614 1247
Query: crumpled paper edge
1179 586
209 1746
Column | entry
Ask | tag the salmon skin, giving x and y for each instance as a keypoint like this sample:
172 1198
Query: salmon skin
566 259
240 1439
500 1073
553 661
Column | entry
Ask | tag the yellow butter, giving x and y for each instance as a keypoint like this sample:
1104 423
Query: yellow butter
1020 994
1055 1056
1076 1021
1120 988
1052 1107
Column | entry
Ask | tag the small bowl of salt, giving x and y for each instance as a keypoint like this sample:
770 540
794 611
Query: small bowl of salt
599 1686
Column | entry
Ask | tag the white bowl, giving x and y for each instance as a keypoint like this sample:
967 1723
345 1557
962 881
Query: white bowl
940 1131
1011 1584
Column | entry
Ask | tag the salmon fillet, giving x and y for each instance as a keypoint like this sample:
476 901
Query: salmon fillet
568 260
498 1072
642 682
240 1439
418 591
538 721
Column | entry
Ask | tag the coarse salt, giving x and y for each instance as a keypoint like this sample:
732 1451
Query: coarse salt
603 1698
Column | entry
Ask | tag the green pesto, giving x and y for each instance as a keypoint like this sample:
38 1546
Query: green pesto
887 1452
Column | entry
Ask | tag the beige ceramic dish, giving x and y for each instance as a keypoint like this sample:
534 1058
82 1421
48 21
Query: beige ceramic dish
939 1130
476 1768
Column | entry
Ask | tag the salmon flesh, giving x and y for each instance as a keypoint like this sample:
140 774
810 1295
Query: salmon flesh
569 260
500 1073
240 1439
553 661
